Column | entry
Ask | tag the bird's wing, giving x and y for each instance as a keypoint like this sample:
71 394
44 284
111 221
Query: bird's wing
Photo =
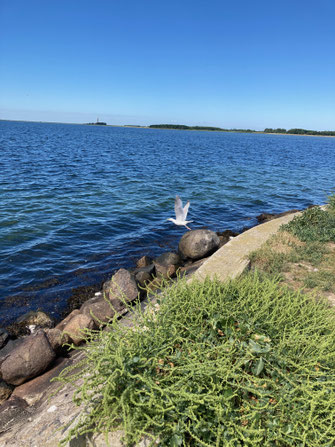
185 210
178 208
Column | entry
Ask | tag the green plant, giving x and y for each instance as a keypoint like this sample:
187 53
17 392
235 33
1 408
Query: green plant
314 224
243 363
321 279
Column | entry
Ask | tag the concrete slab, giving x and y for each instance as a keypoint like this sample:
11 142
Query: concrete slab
232 259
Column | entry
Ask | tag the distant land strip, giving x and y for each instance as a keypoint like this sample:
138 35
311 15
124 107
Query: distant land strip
295 131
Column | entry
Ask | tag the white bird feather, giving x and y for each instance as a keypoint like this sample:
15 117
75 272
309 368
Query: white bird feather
181 213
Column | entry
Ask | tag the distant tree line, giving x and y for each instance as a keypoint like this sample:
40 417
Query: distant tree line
183 127
267 130
297 131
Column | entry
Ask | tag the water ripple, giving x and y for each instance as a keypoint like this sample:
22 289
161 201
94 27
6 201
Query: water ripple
78 202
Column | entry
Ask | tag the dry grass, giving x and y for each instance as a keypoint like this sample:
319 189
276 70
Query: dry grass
308 266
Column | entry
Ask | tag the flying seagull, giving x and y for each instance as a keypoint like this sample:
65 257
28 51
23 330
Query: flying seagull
181 213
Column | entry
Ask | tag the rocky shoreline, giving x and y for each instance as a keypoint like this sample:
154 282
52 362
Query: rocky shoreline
41 349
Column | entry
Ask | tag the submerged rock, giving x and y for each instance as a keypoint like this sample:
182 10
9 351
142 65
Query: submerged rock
197 244
266 217
38 319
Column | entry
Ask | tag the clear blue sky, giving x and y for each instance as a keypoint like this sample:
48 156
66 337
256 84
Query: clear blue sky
229 63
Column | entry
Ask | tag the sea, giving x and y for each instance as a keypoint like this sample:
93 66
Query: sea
78 202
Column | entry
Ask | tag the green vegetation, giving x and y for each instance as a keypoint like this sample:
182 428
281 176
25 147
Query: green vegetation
243 363
314 225
303 252
208 128
301 132
267 130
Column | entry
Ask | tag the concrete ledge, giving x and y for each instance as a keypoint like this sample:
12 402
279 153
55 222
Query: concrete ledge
232 259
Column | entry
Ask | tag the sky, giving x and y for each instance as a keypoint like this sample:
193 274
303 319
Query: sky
232 64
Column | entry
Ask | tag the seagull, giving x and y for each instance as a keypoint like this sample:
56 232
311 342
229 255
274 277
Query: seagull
181 213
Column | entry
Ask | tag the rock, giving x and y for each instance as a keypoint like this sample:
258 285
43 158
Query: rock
122 287
56 338
166 264
166 271
143 277
34 390
28 360
148 269
266 217
34 318
143 262
99 309
64 322
5 391
196 244
9 347
191 267
225 236
3 337
75 328
156 283
39 319
10 410
168 258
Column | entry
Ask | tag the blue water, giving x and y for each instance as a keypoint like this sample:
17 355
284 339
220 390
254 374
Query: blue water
78 202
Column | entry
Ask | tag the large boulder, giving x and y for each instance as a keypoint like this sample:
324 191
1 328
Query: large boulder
197 244
121 288
77 326
99 309
28 360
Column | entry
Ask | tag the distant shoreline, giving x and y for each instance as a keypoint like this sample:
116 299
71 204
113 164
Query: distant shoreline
186 128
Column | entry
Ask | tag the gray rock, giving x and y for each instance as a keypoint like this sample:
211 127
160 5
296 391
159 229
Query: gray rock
148 269
165 271
197 244
3 337
5 391
99 309
11 410
143 262
28 360
9 347
37 390
61 325
122 287
167 259
56 338
143 277
76 327
166 264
